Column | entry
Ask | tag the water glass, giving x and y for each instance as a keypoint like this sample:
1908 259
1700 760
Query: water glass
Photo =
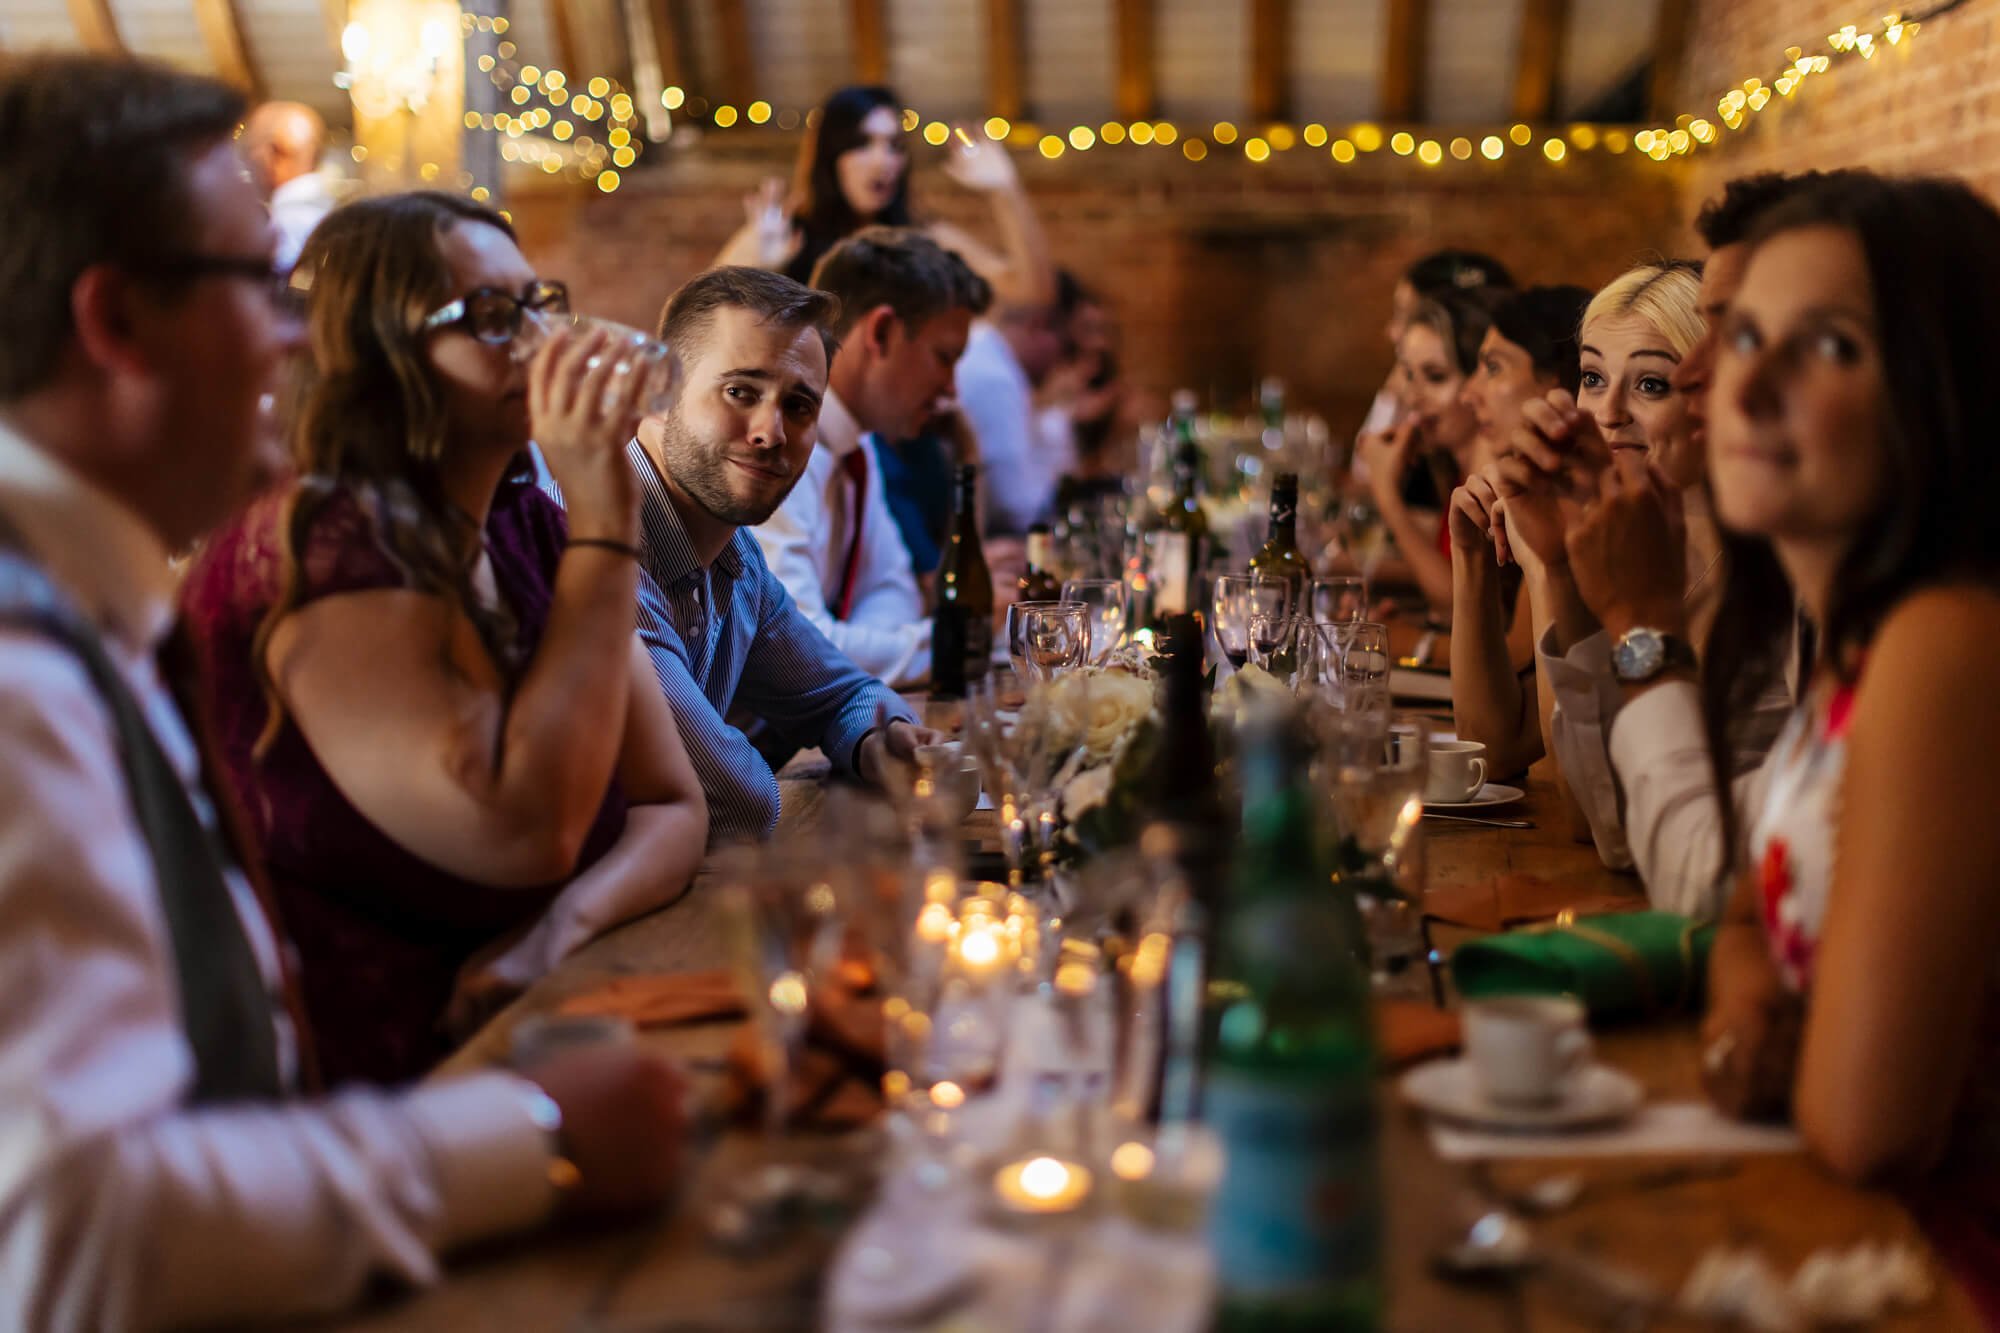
1104 612
1017 639
1342 599
1240 599
1364 658
1056 638
633 353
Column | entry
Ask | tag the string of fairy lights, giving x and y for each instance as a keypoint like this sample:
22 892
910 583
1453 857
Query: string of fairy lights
591 127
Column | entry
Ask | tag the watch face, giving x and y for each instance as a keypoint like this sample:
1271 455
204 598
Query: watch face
1639 655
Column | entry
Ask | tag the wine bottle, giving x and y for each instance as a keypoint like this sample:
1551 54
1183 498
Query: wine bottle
1296 1225
1038 582
962 627
1179 543
1184 793
1279 557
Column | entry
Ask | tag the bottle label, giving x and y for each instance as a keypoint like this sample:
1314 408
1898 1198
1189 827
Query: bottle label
1041 551
1169 574
1299 1205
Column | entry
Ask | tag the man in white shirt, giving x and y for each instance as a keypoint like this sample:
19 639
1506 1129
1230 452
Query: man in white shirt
281 144
162 1167
906 304
1021 459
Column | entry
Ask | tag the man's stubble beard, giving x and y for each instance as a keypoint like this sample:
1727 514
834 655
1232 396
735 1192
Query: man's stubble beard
697 470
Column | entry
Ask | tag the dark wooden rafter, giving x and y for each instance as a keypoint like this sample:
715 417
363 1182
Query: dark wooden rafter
1670 34
1269 94
732 21
222 34
1406 60
96 27
563 31
1538 60
871 40
1137 85
1004 76
668 22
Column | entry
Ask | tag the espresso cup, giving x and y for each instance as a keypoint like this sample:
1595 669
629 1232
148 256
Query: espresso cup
1526 1049
1457 772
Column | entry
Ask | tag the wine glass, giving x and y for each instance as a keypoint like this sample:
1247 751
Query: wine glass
1017 643
1342 598
1364 658
1239 600
1282 645
1104 613
1056 637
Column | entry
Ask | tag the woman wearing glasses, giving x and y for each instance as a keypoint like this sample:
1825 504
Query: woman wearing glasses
425 683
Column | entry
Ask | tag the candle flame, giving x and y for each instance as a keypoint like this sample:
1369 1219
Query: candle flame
979 948
1132 1161
1044 1178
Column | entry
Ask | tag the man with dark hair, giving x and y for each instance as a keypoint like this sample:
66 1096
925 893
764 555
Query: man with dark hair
725 636
281 144
162 1166
906 304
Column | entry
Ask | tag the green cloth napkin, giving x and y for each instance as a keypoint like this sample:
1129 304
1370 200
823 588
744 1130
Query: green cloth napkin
1626 964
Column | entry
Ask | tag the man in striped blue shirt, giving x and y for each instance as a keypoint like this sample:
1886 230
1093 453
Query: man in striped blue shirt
724 635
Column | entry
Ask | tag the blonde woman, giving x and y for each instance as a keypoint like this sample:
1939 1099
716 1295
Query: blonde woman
1631 419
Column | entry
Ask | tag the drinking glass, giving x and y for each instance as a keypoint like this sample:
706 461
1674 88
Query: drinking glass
1240 599
1104 603
1283 646
1056 638
1375 769
1343 598
1017 641
1364 658
634 353
786 933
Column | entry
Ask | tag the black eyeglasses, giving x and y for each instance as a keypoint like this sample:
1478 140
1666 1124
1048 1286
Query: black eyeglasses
494 316
286 298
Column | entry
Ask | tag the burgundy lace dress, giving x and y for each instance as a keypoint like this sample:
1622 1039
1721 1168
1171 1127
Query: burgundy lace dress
380 933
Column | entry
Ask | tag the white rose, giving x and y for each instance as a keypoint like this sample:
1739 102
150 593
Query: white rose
1114 707
1086 791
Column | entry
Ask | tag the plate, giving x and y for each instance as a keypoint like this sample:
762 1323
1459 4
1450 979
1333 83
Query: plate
1493 793
1600 1095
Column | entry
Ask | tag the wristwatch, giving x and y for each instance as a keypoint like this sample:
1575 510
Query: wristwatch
1641 654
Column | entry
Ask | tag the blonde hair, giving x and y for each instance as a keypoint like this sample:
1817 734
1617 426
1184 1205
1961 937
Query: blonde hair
1667 296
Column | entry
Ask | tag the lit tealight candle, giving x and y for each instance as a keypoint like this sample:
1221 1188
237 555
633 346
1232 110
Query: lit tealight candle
1042 1185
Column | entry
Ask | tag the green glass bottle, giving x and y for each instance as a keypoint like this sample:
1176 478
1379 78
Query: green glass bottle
962 626
1296 1225
1178 546
1279 557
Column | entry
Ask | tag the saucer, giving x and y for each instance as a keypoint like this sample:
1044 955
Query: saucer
1493 793
1600 1095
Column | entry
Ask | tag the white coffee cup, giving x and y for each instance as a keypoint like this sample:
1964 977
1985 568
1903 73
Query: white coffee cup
1526 1049
1457 772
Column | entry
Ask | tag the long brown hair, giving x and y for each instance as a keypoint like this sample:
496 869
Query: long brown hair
368 414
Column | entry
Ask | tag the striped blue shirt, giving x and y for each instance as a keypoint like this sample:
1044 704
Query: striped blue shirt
726 639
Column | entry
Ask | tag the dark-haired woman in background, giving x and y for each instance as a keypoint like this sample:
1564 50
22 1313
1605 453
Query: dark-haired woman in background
1851 429
854 171
426 682
1432 276
1531 349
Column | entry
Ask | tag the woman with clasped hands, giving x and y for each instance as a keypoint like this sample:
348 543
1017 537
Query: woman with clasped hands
1856 975
426 683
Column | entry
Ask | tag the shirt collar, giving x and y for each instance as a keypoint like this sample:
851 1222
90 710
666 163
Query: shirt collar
839 433
100 552
672 553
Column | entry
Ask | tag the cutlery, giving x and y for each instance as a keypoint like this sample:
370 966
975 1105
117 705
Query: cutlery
1489 823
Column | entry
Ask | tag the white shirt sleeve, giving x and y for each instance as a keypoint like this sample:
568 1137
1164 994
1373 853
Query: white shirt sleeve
1672 820
1586 699
120 1206
886 634
997 404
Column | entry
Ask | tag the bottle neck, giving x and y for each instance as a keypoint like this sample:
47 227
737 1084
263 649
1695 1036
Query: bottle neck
1041 551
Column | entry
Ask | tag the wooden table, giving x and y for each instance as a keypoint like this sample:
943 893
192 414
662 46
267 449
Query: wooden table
666 1276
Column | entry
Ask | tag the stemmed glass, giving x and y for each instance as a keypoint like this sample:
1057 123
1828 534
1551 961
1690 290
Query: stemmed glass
1343 599
1104 600
1055 638
1241 599
1283 646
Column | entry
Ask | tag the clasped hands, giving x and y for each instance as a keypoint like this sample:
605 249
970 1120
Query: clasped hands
1558 499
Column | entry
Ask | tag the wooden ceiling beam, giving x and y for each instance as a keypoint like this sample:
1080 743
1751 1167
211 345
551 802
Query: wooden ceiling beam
1538 60
871 41
1670 34
733 23
1138 88
563 31
96 27
1004 79
222 33
1407 60
668 23
1269 95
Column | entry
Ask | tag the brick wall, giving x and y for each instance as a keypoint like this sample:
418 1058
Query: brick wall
1220 271
1924 106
